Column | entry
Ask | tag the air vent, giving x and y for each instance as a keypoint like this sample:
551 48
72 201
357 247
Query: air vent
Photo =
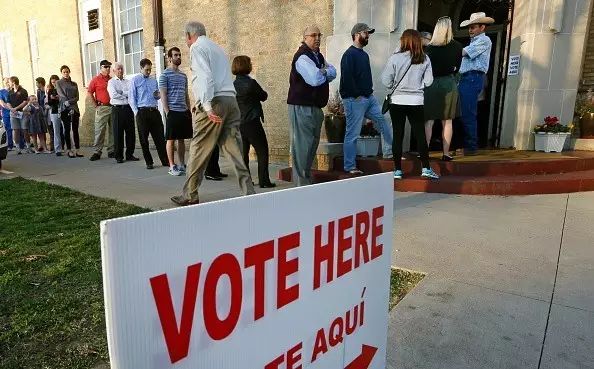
93 17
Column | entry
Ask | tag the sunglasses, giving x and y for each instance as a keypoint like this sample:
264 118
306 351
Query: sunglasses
106 66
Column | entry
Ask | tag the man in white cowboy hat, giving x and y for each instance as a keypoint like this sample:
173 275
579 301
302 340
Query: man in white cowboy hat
475 64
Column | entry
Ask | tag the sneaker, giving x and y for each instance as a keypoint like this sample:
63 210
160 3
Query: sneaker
59 153
446 158
31 151
398 174
174 171
355 171
429 173
11 149
94 157
182 168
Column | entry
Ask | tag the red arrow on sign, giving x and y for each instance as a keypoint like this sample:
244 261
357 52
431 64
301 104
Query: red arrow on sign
362 361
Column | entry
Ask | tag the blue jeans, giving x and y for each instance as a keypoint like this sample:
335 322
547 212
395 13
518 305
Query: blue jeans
356 110
8 127
470 87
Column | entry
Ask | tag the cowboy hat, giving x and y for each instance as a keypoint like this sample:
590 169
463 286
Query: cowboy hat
477 18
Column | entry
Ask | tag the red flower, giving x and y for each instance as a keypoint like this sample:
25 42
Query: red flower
551 121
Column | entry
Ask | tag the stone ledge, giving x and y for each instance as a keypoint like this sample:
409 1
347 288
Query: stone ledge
582 144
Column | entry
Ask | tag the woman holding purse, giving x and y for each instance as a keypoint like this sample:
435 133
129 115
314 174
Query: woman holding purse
406 74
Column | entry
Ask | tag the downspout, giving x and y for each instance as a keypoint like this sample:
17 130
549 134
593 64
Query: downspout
159 47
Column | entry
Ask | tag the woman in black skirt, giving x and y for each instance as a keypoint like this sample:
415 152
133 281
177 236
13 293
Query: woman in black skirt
441 98
249 98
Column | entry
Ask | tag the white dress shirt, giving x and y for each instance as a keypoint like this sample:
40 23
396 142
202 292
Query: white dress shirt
211 72
118 90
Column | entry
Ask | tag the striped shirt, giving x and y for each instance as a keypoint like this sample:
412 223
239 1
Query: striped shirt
176 84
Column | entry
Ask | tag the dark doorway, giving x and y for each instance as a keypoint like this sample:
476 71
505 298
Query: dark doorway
489 109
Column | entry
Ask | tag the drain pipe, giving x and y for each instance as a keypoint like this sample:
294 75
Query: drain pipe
159 40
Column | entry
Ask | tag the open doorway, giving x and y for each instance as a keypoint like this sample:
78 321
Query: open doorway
490 107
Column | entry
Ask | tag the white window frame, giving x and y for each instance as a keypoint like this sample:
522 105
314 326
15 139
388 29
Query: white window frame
120 36
6 54
33 47
89 37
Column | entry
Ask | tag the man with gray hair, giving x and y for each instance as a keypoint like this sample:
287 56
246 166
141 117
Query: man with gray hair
122 116
216 115
308 94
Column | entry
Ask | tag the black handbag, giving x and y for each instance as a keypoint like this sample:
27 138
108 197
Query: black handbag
386 104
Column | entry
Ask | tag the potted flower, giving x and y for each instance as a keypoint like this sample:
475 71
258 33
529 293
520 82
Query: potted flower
335 120
369 140
584 111
551 135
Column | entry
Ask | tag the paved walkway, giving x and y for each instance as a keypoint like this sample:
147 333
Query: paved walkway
510 280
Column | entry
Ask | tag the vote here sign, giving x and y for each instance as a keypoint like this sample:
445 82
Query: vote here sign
291 279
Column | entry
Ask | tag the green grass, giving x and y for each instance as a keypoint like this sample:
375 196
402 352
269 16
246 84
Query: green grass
401 282
51 297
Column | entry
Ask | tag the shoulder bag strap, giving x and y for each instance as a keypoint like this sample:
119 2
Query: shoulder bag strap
401 78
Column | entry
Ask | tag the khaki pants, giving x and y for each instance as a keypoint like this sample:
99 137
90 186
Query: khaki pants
103 124
206 136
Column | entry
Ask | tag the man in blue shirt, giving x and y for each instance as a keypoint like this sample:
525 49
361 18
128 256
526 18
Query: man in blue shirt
6 113
356 90
143 96
475 64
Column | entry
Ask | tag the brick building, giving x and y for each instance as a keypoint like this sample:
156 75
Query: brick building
549 38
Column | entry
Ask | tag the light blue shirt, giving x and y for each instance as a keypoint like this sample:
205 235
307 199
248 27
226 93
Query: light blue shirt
478 54
141 92
5 112
175 84
313 75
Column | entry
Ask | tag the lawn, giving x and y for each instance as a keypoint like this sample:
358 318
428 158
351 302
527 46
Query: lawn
51 294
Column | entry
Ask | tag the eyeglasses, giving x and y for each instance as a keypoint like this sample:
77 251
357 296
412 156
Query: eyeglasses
315 35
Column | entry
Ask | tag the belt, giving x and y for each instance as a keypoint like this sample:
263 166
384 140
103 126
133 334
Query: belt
473 72
149 108
120 106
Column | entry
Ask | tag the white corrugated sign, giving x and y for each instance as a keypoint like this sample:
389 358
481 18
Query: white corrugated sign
291 279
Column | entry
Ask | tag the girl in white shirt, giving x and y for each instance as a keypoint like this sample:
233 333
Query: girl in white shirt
407 73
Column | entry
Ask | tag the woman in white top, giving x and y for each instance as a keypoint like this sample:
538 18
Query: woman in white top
407 73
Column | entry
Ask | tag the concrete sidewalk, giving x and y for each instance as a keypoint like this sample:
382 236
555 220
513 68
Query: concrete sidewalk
510 280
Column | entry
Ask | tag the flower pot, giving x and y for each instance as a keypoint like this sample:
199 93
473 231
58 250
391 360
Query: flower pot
587 126
368 146
335 128
549 142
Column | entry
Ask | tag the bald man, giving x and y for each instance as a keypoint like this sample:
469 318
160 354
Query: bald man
308 94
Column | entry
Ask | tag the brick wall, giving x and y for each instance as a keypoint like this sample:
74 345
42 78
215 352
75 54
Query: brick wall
269 32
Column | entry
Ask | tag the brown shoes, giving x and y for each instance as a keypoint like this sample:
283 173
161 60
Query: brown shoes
182 201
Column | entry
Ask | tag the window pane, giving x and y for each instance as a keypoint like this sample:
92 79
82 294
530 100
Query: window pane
131 4
132 19
122 5
139 17
99 50
141 49
124 21
129 64
136 42
136 61
128 44
92 55
138 3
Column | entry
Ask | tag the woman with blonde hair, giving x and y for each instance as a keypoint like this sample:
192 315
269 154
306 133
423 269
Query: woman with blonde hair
441 98
406 74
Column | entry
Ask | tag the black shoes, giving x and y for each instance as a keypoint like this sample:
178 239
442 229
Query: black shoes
149 166
446 158
213 178
119 161
267 185
111 155
93 157
132 158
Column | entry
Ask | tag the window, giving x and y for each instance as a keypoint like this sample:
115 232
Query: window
131 45
94 54
93 19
